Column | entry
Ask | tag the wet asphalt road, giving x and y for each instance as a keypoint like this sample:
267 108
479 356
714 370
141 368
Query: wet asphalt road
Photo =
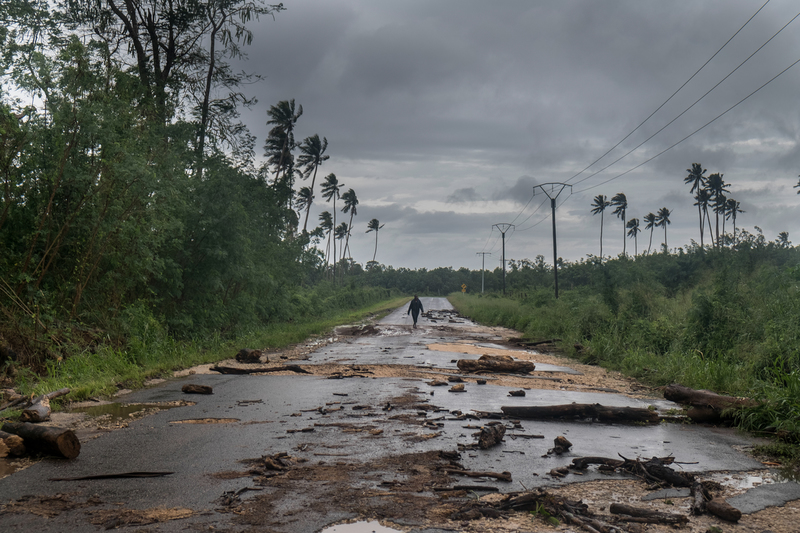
262 407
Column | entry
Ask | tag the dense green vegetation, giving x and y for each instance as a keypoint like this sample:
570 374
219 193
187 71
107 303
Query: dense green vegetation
726 320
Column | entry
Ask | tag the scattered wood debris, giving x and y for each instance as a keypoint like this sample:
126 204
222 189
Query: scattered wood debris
582 412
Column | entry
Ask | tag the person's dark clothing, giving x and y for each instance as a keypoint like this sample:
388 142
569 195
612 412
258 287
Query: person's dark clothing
415 308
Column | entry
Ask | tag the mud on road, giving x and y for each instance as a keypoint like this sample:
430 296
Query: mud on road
365 435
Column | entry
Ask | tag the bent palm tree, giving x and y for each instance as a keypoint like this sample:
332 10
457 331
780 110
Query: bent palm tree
330 191
340 233
283 117
350 202
374 225
797 187
326 223
717 188
599 206
312 156
651 220
633 231
621 205
662 220
732 209
698 183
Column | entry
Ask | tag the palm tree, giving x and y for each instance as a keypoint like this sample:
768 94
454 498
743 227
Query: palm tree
662 220
651 219
731 210
283 117
633 231
330 191
599 206
312 156
303 199
374 225
326 223
717 188
621 203
702 200
797 187
350 202
698 183
339 234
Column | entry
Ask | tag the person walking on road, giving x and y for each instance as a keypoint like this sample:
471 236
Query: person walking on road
415 308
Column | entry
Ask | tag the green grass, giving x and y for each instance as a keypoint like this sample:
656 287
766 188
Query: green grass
152 353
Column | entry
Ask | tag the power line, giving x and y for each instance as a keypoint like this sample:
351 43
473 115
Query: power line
626 154
671 96
694 132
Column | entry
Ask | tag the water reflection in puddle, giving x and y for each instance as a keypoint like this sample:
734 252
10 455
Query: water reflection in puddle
360 527
120 411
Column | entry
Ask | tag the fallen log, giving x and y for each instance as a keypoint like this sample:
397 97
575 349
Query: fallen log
722 509
495 363
653 517
15 445
705 398
46 439
191 388
39 408
699 498
502 476
226 369
490 435
582 463
583 411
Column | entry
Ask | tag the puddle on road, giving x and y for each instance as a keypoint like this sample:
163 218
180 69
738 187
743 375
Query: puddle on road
749 480
360 527
125 412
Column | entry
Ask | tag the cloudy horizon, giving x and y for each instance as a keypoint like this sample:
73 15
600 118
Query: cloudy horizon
444 116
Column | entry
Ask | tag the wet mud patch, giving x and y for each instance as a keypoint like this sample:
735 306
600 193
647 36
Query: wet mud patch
116 518
48 506
402 488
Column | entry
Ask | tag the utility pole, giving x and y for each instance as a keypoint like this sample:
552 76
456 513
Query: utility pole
504 227
552 190
483 262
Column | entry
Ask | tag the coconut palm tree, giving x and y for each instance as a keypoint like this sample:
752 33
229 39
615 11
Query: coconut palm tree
662 220
374 225
326 223
330 191
633 231
312 156
599 206
303 199
797 187
620 202
651 220
732 209
340 233
698 182
282 117
702 199
717 188
350 202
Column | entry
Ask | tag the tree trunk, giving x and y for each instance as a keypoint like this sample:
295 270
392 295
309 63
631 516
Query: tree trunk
15 445
722 509
651 516
47 439
496 363
581 411
707 406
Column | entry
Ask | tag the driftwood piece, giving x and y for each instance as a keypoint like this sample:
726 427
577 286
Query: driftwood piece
47 439
581 463
495 363
247 355
654 517
15 445
706 406
722 509
582 411
502 476
191 388
226 369
490 435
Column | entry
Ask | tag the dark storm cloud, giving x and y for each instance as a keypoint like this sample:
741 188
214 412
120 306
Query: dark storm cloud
439 113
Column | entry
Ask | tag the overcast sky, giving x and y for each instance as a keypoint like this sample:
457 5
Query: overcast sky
443 116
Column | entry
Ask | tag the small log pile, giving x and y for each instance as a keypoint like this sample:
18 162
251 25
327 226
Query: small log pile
36 409
706 406
495 363
45 439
